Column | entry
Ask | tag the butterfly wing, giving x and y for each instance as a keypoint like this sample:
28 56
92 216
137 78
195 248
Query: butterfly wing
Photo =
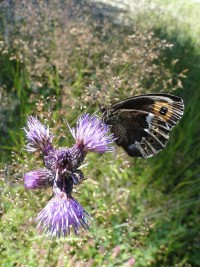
141 125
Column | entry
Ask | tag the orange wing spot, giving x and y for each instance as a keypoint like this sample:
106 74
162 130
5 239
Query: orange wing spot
158 106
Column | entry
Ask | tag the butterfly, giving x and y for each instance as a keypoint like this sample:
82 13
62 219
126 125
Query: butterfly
141 124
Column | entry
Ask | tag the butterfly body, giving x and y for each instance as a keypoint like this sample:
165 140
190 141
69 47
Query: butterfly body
141 124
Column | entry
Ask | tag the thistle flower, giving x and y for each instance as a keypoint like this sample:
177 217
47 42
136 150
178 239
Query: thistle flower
38 136
38 179
60 214
91 134
63 212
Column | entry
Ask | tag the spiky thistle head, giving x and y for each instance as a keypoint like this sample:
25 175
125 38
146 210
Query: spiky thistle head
41 178
61 214
38 136
92 134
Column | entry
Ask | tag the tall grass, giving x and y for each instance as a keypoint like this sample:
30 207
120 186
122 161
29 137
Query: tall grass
143 210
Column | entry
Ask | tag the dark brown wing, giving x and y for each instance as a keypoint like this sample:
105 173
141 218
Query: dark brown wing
143 131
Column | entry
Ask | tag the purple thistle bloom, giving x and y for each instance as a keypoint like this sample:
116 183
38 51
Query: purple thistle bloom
38 179
92 134
63 212
60 214
38 136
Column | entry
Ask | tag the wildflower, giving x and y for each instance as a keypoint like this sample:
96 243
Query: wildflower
38 136
61 213
64 212
92 134
38 179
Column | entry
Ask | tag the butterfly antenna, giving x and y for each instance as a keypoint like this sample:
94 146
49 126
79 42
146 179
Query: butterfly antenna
91 89
100 105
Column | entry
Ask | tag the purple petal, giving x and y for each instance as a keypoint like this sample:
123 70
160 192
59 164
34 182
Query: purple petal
61 214
41 178
38 136
91 133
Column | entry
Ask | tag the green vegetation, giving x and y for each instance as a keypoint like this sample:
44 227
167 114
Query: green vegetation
143 210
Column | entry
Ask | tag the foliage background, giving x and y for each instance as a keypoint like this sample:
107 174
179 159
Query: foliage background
52 55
